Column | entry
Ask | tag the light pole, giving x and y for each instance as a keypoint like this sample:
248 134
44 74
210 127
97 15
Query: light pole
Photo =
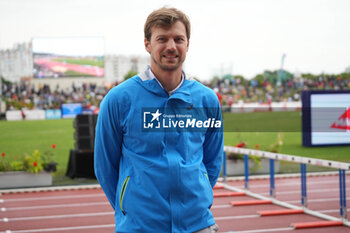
280 73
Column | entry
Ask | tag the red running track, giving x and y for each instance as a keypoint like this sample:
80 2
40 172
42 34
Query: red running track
87 210
53 65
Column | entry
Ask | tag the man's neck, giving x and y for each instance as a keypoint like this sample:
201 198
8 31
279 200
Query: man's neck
169 79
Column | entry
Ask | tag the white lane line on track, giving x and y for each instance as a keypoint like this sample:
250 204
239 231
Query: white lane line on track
57 216
56 206
331 211
53 188
62 229
314 200
221 206
263 230
81 205
112 225
236 217
103 214
52 197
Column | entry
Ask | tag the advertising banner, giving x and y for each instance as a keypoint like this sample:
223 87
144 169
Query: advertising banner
53 114
71 110
15 115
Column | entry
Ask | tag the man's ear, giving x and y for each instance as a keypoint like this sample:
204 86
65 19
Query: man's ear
147 45
188 44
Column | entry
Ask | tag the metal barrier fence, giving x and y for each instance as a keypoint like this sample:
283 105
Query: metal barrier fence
303 161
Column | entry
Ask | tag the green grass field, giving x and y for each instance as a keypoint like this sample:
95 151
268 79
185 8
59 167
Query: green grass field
71 73
262 122
20 137
91 62
262 129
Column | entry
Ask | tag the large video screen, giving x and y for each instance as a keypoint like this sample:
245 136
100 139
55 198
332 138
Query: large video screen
326 118
68 57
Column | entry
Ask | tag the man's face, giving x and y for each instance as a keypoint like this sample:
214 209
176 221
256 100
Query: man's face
168 47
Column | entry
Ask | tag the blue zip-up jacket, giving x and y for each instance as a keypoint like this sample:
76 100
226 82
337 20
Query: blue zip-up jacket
157 180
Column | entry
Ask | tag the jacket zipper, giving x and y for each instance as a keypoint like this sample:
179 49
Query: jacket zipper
122 193
208 179
206 175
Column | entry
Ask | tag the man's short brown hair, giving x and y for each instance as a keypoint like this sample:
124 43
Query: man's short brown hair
165 17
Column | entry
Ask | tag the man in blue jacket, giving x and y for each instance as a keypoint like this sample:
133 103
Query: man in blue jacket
159 139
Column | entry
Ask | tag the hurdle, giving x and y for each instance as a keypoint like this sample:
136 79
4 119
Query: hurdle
303 161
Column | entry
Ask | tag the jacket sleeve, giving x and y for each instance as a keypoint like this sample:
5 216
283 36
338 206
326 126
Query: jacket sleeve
108 143
213 148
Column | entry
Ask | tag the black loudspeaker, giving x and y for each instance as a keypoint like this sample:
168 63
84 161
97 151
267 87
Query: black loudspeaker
81 165
85 119
84 135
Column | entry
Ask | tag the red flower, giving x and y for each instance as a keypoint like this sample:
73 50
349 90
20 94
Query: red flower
3 154
257 146
35 164
242 144
53 146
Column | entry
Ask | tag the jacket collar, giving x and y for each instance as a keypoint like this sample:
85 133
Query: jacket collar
148 75
149 81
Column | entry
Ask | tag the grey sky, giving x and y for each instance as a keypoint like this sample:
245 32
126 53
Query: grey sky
240 36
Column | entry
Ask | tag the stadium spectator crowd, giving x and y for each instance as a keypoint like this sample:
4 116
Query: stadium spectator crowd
233 90
18 96
265 91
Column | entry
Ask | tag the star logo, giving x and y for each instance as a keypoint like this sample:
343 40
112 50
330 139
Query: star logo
151 119
155 116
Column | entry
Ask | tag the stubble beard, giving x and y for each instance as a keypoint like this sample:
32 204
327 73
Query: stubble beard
167 67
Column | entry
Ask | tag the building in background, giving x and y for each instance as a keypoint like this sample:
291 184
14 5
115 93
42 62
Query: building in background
17 65
117 66
17 62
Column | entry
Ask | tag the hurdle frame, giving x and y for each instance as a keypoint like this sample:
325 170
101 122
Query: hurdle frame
303 161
